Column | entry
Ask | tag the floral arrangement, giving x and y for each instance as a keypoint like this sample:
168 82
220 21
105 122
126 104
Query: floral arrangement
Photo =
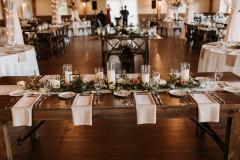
123 83
72 5
236 46
176 4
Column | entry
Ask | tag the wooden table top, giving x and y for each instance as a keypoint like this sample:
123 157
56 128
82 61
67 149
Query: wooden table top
115 107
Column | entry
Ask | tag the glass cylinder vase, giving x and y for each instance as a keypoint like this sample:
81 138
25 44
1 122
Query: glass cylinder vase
111 77
145 72
185 70
67 71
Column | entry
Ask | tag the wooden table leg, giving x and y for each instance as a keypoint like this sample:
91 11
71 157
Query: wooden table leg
232 147
35 134
5 144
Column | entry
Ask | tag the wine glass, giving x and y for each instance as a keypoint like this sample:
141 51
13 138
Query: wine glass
98 85
47 87
31 74
211 84
218 74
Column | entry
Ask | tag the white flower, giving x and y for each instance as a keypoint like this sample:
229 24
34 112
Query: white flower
120 80
163 82
21 83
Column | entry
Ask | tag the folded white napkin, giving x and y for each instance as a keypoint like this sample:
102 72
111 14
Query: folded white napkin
47 77
82 110
22 110
146 108
233 84
6 89
208 109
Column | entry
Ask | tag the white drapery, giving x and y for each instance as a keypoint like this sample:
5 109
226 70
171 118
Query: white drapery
56 15
188 16
170 11
13 28
75 14
233 29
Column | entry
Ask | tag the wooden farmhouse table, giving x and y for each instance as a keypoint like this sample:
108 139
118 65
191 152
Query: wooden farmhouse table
112 108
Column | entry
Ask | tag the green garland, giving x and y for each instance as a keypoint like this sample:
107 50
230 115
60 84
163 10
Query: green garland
123 83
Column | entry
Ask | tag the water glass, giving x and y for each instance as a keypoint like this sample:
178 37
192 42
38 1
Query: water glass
211 84
47 87
155 77
99 73
218 74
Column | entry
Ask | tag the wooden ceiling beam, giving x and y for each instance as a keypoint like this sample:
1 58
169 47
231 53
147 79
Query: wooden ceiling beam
34 8
210 6
3 11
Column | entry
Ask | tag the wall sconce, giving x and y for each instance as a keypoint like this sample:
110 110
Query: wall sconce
23 4
84 4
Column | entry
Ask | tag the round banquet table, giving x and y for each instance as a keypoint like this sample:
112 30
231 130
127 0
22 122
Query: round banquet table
18 61
214 57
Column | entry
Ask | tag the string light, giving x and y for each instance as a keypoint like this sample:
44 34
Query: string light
8 7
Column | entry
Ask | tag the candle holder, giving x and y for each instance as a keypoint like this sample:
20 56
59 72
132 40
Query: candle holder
67 71
111 77
56 81
185 70
145 71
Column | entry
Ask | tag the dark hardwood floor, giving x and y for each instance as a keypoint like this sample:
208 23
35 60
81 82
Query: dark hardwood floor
169 139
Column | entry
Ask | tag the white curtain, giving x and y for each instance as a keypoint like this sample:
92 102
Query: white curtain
233 29
170 12
13 27
56 15
75 14
188 16
116 5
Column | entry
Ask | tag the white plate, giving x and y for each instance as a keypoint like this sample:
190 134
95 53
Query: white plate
122 93
231 89
17 93
178 92
66 94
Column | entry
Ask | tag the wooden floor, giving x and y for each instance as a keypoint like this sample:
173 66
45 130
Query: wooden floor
169 139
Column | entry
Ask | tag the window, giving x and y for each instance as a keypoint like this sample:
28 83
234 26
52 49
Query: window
63 8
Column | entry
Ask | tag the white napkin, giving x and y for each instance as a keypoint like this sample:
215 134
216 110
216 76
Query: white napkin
233 84
208 109
22 110
6 89
82 110
146 108
47 77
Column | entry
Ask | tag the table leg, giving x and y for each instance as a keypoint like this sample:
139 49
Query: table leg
35 134
5 144
232 140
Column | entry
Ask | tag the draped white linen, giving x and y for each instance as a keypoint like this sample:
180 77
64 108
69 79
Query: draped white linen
75 14
188 16
170 12
56 15
13 28
233 31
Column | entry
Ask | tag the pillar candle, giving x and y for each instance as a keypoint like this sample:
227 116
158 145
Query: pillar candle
185 74
145 78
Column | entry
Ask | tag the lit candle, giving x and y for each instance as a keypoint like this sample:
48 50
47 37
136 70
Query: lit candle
111 78
67 78
185 74
145 78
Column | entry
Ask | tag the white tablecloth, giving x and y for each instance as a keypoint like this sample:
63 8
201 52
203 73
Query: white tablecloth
213 56
169 24
80 28
10 65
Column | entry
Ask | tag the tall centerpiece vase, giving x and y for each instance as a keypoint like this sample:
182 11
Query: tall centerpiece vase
185 71
145 72
111 77
67 71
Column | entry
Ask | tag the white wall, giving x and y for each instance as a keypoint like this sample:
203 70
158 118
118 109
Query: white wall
43 7
1 16
27 9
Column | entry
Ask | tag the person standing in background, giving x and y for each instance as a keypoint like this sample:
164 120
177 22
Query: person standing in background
101 17
108 17
125 14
